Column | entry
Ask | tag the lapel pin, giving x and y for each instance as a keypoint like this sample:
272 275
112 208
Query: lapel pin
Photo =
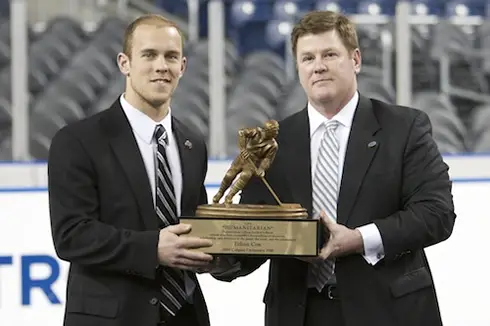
188 144
372 144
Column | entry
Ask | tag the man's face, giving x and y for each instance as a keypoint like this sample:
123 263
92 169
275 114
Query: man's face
326 69
156 63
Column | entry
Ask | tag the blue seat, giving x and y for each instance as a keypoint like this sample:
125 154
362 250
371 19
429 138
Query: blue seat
247 22
268 35
175 7
290 9
251 37
465 8
344 6
276 35
248 11
377 7
428 7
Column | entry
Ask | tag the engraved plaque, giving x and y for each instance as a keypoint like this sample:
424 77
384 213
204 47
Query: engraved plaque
257 237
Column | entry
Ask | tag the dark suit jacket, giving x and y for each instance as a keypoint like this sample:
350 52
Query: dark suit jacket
103 220
401 185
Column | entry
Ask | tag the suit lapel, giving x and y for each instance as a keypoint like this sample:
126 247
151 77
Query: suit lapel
361 149
123 143
185 154
298 169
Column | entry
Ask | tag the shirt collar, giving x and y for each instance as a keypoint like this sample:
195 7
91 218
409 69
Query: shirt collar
142 124
344 116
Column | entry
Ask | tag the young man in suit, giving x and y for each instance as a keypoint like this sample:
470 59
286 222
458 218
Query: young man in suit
372 172
118 182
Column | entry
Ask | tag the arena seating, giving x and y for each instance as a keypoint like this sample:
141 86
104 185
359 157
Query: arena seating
73 73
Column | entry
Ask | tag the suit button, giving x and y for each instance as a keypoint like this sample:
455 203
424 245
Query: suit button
153 301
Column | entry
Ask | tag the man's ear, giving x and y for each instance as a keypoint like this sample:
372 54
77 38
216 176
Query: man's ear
123 63
183 66
356 58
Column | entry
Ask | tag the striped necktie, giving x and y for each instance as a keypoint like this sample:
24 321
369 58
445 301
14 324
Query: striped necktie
325 190
171 280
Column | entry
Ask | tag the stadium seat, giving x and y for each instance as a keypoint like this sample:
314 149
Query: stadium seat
482 145
480 125
175 7
108 96
465 8
432 101
5 114
5 146
4 54
373 88
290 9
250 111
427 7
377 7
448 131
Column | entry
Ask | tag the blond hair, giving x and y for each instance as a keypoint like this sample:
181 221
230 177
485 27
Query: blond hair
148 19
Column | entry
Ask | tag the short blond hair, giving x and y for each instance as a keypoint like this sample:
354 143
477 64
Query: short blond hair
317 22
148 19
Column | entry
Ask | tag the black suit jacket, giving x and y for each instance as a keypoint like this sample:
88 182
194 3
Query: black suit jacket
103 221
401 184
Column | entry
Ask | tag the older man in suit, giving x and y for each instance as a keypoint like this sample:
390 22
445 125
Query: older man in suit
118 182
374 175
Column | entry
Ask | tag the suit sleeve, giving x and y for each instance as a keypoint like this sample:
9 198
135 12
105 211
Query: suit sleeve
79 235
427 217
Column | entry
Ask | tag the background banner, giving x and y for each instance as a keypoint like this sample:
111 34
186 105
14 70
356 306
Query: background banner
32 278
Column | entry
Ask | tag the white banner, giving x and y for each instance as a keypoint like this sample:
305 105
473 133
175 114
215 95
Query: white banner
32 279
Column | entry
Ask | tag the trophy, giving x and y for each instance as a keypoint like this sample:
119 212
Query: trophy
283 229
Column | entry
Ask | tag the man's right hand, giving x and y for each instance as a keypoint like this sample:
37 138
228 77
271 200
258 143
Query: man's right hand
175 251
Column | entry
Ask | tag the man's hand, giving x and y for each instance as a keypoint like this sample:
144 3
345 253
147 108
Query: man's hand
174 250
341 240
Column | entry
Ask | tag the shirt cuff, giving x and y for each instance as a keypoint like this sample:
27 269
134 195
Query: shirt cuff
373 244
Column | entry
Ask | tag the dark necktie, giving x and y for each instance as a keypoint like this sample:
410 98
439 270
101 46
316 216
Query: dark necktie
171 280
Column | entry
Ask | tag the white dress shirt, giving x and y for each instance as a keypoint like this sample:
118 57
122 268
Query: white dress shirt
144 128
373 245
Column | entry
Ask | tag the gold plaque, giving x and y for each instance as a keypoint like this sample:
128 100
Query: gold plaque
264 230
270 237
